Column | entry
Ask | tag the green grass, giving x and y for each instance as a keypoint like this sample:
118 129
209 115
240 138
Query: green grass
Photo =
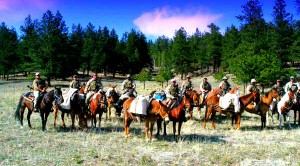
108 146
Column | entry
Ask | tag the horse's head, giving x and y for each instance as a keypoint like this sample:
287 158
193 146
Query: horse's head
187 102
274 94
163 111
234 90
256 96
194 96
58 98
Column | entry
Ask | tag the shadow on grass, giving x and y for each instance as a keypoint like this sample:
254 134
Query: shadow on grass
192 138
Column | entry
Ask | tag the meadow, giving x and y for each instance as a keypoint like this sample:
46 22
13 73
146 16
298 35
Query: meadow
108 146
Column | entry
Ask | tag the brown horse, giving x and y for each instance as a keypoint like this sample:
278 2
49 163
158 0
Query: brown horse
263 106
212 106
194 95
156 109
45 107
114 97
177 114
75 110
25 101
97 106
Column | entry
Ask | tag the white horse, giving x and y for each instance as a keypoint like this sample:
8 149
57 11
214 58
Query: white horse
284 106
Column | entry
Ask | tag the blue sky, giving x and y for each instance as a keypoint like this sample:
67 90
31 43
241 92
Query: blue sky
153 18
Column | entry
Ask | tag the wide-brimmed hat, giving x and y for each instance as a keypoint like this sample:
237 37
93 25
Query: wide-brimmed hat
224 78
37 74
253 80
128 76
75 76
278 80
292 77
188 76
173 80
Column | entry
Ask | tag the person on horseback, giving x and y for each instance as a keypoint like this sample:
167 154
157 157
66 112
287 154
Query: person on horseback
172 92
225 86
290 84
187 85
92 86
205 87
250 88
75 83
128 87
39 87
279 87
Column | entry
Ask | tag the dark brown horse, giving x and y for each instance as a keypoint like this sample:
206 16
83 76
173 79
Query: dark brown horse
25 101
194 96
212 106
111 100
45 107
74 110
97 106
156 109
263 106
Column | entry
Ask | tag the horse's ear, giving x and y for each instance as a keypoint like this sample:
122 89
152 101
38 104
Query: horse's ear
114 86
109 85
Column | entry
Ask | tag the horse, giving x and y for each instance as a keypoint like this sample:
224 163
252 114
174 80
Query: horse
111 101
212 106
25 101
74 109
285 105
45 107
194 95
177 114
264 106
97 106
155 109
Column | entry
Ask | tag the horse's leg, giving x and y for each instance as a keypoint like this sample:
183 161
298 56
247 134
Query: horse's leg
179 129
213 119
100 116
21 113
159 122
42 114
151 129
63 119
199 112
46 117
147 130
174 130
73 119
165 128
238 121
55 117
206 115
263 120
288 118
28 118
127 122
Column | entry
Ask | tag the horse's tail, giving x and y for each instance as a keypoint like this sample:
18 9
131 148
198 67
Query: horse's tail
17 113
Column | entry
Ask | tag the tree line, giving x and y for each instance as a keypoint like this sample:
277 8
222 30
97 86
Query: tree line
256 49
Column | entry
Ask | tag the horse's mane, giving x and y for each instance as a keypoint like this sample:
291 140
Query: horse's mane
214 92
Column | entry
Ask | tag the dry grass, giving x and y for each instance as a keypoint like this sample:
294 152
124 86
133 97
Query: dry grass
108 146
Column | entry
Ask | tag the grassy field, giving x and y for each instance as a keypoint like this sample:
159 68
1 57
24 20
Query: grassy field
108 146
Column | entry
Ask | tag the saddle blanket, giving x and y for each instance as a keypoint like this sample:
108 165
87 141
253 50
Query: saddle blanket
139 105
67 98
228 99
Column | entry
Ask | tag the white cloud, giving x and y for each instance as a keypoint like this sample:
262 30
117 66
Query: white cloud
165 21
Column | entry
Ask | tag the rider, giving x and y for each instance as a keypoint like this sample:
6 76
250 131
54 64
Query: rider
128 87
224 85
172 92
75 83
205 87
187 85
290 83
279 87
92 86
39 87
252 86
